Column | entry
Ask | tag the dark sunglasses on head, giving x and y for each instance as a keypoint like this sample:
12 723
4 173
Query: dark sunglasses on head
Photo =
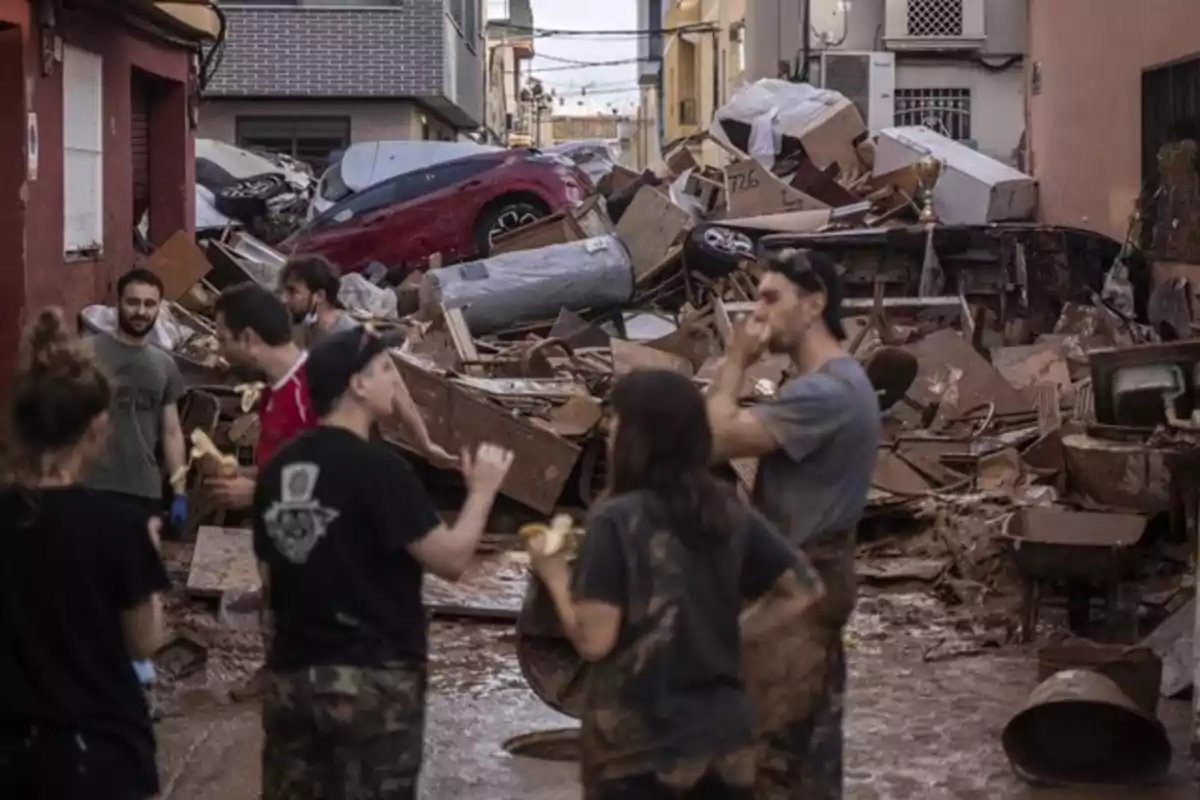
795 266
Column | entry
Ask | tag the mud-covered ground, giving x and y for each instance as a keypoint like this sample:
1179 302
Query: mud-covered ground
927 702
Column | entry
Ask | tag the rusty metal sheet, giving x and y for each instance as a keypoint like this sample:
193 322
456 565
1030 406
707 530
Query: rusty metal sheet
951 370
223 561
456 419
1029 366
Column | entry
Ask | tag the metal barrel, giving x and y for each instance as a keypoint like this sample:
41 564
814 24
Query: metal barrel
1079 728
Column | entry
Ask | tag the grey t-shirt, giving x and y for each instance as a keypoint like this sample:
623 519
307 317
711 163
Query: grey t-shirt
145 380
827 424
313 332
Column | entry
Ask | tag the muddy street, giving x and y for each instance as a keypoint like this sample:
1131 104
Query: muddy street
923 722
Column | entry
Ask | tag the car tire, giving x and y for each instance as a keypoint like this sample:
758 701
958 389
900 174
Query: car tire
502 219
248 198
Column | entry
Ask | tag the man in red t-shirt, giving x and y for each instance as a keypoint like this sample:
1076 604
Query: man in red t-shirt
255 330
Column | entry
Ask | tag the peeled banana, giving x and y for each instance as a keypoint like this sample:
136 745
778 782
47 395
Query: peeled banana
549 540
208 459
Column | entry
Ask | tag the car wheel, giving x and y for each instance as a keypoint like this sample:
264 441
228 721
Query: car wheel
247 199
504 219
257 187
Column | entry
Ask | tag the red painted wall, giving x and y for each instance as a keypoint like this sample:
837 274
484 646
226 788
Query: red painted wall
34 226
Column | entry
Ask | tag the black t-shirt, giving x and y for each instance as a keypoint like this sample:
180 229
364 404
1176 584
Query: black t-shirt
333 518
71 560
671 691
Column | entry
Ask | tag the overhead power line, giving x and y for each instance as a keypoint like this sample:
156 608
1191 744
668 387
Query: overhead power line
585 65
694 27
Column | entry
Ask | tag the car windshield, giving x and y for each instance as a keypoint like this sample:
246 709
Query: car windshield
333 188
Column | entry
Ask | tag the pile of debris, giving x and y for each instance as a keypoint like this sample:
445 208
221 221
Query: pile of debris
1011 415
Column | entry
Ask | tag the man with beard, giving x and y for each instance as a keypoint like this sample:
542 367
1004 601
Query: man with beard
146 385
142 415
254 330
816 445
310 292
310 286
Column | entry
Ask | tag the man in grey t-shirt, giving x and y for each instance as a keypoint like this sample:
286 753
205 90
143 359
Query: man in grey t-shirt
816 444
146 385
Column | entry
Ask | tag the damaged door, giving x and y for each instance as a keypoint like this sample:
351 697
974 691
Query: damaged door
139 142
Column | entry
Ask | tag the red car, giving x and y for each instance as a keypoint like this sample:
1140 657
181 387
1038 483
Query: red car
454 208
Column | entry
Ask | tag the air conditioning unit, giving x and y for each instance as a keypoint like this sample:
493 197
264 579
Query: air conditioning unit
866 79
935 25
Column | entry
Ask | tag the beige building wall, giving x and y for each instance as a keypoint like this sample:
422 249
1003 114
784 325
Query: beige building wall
1087 58
369 121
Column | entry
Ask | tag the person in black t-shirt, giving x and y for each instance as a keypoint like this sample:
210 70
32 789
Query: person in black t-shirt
655 599
343 531
80 575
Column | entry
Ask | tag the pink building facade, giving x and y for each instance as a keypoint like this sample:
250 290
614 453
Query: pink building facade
1093 67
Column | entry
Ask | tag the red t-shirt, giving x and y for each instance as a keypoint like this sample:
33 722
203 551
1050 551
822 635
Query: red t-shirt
284 412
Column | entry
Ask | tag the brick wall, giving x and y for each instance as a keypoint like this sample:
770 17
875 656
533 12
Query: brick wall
274 51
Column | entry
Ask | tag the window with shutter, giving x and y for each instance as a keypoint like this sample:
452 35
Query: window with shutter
83 152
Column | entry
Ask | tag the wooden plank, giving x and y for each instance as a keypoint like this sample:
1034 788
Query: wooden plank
649 227
460 337
180 263
629 356
223 562
456 419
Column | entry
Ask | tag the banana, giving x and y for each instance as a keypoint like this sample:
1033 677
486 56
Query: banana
548 540
212 462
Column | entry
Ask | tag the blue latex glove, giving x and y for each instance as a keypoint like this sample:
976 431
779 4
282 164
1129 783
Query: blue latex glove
179 511
145 672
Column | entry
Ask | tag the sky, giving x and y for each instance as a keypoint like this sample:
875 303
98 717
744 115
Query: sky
607 86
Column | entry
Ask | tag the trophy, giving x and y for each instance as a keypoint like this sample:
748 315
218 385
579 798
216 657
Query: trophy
929 169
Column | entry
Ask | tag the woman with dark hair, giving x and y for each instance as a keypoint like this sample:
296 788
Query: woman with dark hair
80 575
654 601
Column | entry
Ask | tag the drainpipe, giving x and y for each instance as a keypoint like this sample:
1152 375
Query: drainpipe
806 50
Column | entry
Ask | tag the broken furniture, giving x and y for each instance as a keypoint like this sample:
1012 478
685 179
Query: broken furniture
1146 385
1080 548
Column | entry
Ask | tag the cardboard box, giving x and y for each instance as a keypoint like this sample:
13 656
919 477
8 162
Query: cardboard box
973 189
831 136
752 190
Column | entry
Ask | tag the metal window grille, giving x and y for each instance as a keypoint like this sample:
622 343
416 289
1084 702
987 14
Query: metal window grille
947 111
687 113
932 18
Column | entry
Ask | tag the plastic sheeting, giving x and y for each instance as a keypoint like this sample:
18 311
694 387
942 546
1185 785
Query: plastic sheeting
359 294
533 284
769 107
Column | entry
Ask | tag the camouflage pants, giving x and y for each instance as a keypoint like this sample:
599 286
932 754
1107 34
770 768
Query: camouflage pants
344 733
804 759
801 759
